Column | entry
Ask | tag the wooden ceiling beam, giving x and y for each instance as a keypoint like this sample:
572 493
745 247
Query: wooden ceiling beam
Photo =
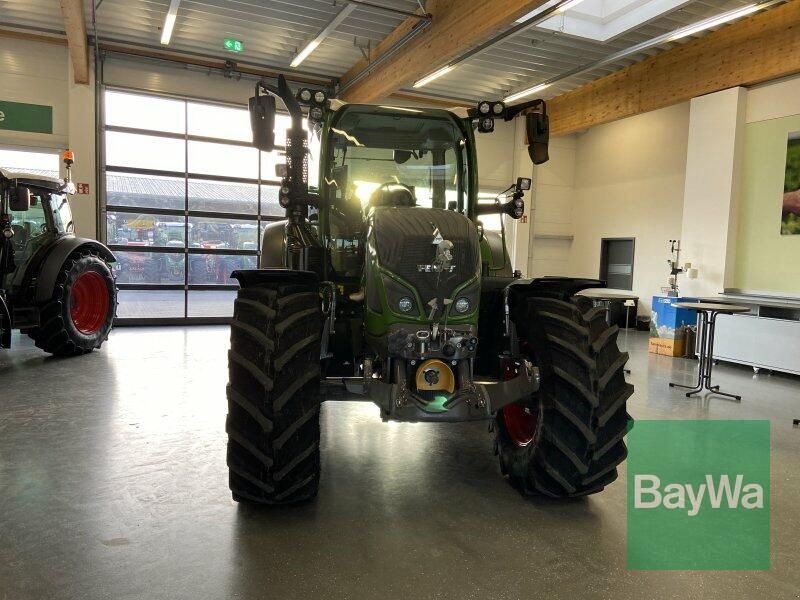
33 36
757 49
75 27
456 27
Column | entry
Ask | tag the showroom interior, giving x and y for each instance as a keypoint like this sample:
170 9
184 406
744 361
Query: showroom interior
668 194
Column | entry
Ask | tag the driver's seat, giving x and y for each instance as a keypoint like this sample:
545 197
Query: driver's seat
392 194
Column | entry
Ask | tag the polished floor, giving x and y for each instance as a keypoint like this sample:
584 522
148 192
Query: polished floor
113 485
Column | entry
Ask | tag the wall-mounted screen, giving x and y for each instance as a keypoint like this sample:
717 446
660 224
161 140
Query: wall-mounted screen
790 215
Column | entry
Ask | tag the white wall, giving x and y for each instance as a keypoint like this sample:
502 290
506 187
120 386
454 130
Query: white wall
35 73
773 100
551 210
39 73
675 173
628 182
713 169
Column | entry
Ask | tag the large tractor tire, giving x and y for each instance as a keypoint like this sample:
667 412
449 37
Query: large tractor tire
567 441
274 394
79 315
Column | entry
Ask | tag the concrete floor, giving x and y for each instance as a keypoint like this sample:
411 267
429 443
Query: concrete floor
113 484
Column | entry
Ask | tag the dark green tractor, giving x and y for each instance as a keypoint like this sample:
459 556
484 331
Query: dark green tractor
382 282
54 286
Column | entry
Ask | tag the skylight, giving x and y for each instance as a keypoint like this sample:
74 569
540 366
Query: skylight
602 20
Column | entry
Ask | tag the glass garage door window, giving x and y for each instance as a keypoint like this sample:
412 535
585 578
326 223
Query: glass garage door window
186 199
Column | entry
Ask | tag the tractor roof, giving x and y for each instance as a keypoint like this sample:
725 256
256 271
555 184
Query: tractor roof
34 179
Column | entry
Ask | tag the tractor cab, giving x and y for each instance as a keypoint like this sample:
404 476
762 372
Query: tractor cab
35 212
57 287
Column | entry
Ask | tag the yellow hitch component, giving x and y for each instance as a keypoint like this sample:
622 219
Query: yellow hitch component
434 374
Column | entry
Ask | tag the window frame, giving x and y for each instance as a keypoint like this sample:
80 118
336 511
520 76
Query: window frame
186 212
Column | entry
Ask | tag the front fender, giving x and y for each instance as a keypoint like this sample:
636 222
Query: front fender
51 263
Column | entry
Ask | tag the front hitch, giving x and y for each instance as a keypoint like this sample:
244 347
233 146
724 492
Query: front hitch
471 402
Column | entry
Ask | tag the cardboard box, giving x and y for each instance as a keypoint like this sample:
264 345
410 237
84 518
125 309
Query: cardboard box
668 324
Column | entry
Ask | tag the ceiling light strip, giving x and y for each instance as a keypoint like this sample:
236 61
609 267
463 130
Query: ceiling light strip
169 22
322 34
646 45
534 19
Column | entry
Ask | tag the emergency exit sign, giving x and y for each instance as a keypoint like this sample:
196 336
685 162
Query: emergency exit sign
33 118
233 45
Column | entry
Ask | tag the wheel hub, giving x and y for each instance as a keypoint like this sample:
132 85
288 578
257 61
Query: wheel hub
521 423
89 302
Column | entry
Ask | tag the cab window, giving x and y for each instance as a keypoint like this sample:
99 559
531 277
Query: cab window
29 227
62 214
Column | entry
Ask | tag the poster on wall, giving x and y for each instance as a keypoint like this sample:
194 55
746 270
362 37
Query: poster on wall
790 216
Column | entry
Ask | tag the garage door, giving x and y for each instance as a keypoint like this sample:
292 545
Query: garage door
186 199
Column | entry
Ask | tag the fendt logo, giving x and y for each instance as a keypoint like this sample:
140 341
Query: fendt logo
436 269
698 495
714 493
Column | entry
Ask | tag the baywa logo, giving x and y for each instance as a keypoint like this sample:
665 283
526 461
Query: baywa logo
648 494
698 495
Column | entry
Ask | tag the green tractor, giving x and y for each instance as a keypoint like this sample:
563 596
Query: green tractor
54 286
382 282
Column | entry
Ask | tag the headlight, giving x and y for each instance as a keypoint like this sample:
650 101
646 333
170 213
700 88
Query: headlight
405 304
319 97
498 108
484 108
305 95
316 114
462 305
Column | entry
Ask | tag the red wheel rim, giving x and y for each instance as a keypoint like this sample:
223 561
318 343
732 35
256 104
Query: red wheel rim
88 307
520 424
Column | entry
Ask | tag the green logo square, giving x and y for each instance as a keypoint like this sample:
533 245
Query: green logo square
698 495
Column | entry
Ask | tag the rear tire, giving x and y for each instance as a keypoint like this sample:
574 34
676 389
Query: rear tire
79 316
274 394
576 425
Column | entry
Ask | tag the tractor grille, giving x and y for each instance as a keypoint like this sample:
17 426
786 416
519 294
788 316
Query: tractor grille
405 241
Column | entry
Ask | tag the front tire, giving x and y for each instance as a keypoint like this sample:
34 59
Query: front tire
274 394
80 314
569 440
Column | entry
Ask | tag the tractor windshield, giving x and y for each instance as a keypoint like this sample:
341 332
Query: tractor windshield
374 146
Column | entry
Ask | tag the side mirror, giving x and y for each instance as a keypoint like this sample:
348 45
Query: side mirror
20 199
537 126
402 156
262 122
